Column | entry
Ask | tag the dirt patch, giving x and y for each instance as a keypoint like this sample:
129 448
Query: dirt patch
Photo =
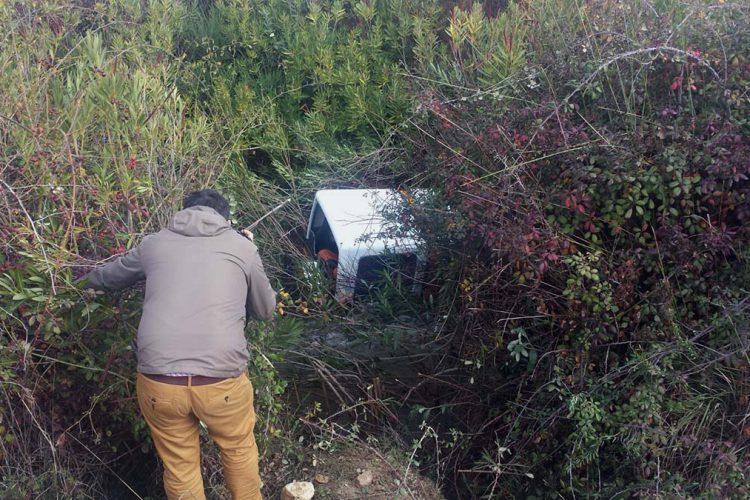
354 473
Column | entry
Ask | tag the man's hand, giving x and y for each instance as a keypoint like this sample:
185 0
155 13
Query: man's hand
248 234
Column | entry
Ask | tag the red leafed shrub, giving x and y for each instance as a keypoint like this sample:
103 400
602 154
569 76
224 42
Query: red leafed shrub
596 239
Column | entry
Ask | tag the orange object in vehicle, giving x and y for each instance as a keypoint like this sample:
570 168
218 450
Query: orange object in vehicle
330 261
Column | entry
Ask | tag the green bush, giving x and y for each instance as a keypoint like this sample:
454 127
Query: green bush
300 83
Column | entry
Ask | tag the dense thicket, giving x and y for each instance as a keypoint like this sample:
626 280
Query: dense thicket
585 186
595 209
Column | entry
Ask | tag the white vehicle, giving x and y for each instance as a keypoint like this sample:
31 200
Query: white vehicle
349 233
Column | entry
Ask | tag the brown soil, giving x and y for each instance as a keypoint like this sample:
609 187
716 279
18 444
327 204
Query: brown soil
342 466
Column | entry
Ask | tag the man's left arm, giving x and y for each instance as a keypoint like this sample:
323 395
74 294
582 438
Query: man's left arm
261 297
118 274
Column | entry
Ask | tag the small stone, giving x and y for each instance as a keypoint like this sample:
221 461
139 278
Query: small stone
364 479
298 490
322 478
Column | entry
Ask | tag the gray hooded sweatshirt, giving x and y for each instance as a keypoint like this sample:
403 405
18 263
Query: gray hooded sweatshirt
202 281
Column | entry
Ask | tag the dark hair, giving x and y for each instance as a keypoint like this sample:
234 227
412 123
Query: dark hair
207 198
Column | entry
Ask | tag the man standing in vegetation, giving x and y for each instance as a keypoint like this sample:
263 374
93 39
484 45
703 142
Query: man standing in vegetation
202 281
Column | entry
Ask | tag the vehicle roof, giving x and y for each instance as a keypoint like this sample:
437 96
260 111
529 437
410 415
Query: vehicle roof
357 221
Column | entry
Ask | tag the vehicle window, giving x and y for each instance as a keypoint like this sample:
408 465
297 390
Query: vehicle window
320 236
318 218
324 238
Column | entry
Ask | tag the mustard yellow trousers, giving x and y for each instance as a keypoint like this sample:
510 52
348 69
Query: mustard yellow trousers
173 412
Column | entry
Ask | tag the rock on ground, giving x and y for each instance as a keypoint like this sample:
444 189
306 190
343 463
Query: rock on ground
364 479
298 490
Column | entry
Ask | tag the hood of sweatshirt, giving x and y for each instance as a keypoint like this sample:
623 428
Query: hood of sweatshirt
198 221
